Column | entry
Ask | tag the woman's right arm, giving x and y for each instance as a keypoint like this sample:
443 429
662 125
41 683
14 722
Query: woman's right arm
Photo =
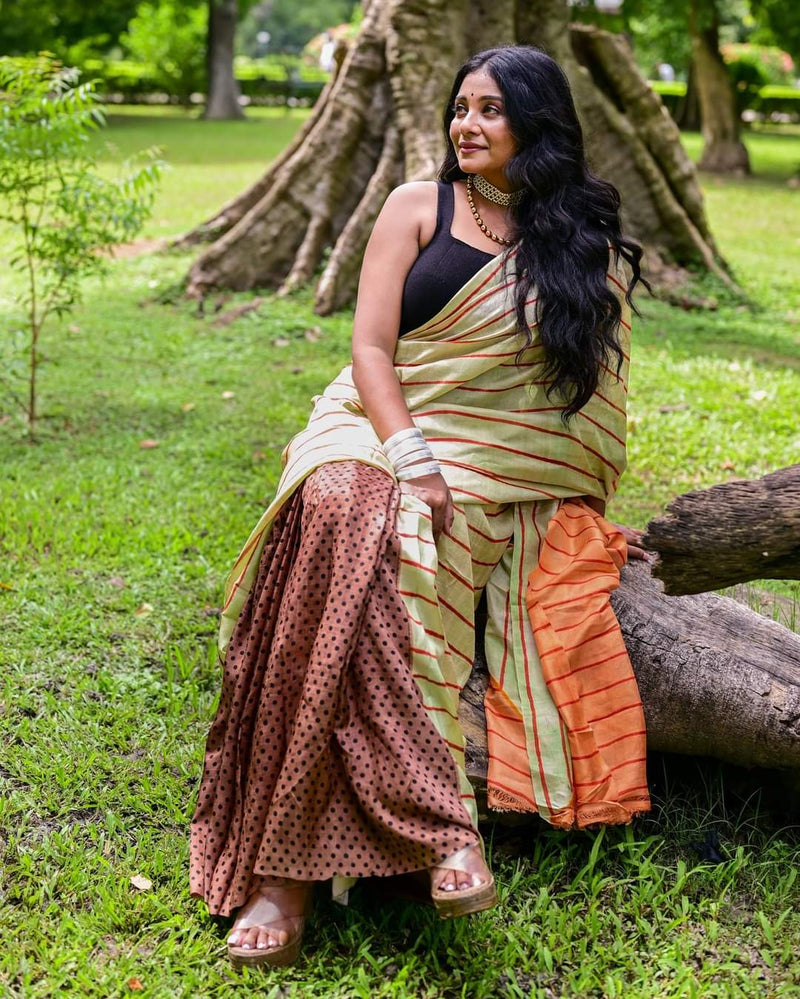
392 249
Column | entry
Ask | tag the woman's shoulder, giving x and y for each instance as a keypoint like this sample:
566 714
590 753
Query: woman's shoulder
412 207
415 194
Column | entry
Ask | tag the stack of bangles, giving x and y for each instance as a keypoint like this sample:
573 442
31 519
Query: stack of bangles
405 450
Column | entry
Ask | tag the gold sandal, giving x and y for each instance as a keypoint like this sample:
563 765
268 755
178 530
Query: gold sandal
454 902
265 911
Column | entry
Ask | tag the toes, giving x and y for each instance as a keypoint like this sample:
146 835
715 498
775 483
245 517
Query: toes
233 939
449 881
263 939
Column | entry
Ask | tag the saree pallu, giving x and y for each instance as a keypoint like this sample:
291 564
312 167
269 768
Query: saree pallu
565 724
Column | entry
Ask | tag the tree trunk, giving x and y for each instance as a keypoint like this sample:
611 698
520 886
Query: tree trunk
723 150
223 90
687 113
379 123
729 534
716 679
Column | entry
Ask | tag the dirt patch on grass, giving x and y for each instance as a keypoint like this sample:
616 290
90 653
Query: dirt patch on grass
138 248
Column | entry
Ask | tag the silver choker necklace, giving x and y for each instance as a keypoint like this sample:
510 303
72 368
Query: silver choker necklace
492 193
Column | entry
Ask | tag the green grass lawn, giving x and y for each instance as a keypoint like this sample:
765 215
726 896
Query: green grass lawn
111 562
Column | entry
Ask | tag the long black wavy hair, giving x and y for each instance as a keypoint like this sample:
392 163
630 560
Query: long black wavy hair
566 226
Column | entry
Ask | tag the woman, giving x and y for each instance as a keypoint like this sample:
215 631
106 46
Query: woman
469 449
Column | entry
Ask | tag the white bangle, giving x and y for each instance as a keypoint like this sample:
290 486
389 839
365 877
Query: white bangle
415 471
402 435
403 450
422 453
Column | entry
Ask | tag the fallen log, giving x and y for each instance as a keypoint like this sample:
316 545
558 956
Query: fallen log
728 534
716 679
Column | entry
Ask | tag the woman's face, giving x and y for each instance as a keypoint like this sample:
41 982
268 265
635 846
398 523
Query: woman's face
480 131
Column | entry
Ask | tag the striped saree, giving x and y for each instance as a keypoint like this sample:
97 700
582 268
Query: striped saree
564 720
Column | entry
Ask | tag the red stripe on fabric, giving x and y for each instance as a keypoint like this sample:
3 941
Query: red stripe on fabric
478 329
627 707
417 537
419 622
598 690
564 582
497 714
526 668
504 763
504 661
465 357
418 565
491 322
507 388
476 291
600 426
452 610
246 551
611 770
463 310
525 426
619 738
495 541
611 278
608 402
572 600
433 707
467 492
458 541
506 480
580 669
538 533
494 731
577 534
477 561
460 654
424 652
614 628
581 514
453 745
636 787
458 576
438 683
409 593
613 374
564 551
524 454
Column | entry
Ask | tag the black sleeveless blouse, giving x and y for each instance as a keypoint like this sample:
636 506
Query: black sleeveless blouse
442 267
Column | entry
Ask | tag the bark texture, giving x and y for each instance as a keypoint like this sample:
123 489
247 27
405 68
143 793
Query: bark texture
716 679
729 534
723 150
223 90
378 123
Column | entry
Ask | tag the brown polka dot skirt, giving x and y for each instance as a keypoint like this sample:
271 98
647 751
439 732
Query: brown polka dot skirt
321 759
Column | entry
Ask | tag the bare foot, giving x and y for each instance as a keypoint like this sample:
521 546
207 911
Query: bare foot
272 915
444 878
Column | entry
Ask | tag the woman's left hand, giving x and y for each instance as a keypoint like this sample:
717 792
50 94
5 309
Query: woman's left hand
633 539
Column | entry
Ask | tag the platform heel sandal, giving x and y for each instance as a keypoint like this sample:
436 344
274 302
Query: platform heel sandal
463 901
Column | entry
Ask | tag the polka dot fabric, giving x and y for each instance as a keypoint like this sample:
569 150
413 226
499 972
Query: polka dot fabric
321 759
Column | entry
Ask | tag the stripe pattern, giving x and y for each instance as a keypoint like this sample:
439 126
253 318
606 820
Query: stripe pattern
473 387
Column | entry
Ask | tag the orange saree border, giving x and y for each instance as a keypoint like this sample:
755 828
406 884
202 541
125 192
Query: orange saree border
587 668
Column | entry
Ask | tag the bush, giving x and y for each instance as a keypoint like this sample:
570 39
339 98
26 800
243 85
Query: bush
169 39
770 101
62 215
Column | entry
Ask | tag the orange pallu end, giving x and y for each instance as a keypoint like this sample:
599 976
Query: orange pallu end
587 668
